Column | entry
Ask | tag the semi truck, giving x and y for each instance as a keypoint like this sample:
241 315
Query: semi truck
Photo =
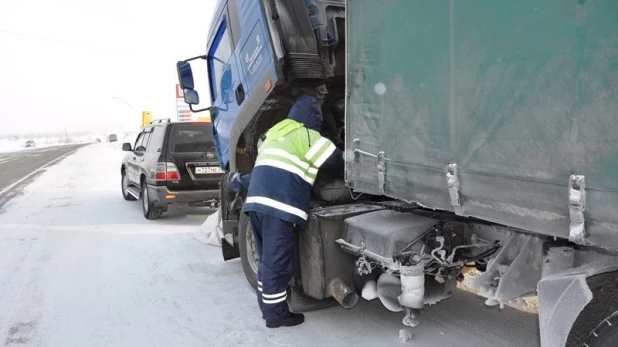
477 134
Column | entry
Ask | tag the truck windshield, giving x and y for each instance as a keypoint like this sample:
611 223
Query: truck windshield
191 138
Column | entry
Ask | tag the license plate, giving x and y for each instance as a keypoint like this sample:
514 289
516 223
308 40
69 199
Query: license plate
207 170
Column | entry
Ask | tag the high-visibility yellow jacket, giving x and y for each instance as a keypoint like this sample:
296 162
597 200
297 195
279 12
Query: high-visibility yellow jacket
286 168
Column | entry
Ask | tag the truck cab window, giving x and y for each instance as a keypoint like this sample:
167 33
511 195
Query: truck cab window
218 57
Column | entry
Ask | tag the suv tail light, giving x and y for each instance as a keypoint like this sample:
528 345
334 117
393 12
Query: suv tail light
167 172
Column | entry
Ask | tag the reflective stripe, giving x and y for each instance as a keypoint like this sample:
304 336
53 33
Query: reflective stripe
259 288
275 301
313 171
296 160
274 296
286 167
260 283
325 155
278 205
315 148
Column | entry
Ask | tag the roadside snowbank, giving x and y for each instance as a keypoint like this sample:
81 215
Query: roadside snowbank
18 145
14 145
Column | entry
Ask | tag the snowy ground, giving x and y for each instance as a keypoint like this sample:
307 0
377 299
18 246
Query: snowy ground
79 266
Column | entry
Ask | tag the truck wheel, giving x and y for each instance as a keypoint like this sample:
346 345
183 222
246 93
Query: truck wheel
125 186
246 246
149 212
597 324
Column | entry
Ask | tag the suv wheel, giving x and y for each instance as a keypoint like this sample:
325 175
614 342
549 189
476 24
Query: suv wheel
125 187
149 212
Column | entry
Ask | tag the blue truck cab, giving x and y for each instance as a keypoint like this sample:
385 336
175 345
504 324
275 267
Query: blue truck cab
261 55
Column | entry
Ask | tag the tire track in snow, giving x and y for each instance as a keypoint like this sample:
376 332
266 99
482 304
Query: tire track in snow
14 293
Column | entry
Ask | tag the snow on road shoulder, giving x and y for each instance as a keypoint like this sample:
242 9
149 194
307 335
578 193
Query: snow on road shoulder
80 266
13 146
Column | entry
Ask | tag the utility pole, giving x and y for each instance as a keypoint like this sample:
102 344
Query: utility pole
126 103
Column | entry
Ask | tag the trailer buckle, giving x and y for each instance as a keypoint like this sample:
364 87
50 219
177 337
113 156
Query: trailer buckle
577 206
382 173
452 180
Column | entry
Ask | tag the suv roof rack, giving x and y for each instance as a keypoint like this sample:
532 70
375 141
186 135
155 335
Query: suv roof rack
167 120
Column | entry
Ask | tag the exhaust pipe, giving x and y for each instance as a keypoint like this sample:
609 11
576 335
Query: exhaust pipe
344 295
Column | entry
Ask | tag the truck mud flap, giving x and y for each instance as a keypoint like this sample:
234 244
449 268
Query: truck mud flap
299 302
228 251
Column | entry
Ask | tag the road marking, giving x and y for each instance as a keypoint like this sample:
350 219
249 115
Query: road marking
7 160
42 149
5 190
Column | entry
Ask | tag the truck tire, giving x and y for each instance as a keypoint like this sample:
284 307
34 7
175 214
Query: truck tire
246 246
597 324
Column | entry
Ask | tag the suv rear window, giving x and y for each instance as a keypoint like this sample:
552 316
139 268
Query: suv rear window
191 138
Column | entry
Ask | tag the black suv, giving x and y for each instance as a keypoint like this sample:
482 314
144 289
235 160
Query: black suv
171 163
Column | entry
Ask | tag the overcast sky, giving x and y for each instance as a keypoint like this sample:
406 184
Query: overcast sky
62 62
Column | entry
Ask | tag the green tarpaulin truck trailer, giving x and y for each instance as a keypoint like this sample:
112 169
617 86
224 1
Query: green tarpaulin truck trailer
517 101
477 133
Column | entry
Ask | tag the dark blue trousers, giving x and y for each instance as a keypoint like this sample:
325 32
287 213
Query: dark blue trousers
274 240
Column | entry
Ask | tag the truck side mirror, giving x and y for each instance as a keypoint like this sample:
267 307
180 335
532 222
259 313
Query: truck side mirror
185 78
191 96
185 75
126 147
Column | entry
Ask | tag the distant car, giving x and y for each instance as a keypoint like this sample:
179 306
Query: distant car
30 143
97 140
113 138
171 163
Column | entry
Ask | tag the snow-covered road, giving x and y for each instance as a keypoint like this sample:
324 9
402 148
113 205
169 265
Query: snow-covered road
79 266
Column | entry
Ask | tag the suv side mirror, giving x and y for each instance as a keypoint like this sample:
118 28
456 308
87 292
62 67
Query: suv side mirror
126 147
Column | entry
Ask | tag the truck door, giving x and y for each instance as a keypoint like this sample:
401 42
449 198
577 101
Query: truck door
254 52
254 73
228 92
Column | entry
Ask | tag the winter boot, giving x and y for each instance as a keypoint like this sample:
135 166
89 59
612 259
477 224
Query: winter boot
290 320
